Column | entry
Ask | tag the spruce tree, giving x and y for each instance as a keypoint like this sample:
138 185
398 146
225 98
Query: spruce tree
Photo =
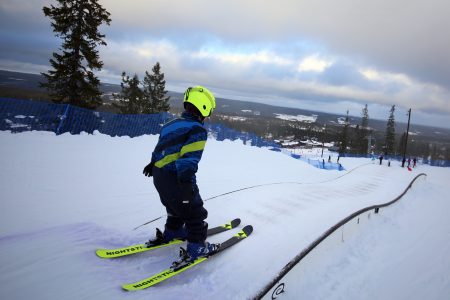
344 137
363 131
72 79
390 133
154 91
131 99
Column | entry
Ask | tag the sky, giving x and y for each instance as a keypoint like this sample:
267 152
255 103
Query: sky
329 56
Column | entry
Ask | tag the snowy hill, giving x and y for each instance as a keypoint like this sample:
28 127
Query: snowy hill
64 196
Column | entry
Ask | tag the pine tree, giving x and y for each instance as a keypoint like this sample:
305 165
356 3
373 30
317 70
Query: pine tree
344 137
154 91
390 133
363 131
131 99
72 79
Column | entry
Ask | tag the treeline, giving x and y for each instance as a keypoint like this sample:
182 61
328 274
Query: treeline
148 100
356 139
72 79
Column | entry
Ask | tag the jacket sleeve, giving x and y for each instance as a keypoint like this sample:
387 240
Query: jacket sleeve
191 153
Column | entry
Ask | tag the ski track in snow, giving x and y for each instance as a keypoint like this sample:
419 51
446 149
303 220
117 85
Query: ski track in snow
64 196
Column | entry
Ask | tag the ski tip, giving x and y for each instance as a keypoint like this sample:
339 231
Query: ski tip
248 229
235 223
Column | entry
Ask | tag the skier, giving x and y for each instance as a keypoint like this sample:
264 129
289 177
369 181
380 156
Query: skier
381 159
173 166
414 162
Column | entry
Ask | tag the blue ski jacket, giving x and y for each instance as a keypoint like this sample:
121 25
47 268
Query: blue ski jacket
180 147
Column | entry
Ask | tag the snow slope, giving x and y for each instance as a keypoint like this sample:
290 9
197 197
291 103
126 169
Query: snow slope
64 196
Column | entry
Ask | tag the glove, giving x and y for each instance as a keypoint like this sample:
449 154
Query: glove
148 170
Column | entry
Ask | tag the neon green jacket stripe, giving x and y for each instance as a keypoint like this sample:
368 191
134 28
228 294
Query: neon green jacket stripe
196 146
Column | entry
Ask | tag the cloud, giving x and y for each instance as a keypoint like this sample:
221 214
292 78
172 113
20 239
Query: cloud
314 63
404 35
14 65
304 52
242 59
374 75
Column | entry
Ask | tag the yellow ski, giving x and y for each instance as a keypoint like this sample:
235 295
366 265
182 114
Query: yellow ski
133 249
166 274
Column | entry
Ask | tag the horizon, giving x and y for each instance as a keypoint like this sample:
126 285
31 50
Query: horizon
294 106
320 56
350 56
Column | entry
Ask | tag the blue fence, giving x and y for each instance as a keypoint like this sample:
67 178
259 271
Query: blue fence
25 115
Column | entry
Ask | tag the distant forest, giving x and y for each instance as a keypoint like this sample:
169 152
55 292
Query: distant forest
425 142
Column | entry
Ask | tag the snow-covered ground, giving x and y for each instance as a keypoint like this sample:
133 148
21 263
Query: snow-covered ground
64 196
300 118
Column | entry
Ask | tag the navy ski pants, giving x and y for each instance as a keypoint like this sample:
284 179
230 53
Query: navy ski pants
178 214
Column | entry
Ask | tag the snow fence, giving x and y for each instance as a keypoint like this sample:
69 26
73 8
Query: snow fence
25 115
284 284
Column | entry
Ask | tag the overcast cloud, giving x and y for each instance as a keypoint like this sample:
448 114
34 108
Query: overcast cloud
324 55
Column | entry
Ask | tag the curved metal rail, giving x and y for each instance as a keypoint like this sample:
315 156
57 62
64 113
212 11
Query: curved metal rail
272 284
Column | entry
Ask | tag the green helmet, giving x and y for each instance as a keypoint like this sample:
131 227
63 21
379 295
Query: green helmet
201 98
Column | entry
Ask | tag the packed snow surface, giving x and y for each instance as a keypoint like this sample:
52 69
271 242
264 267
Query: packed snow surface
62 197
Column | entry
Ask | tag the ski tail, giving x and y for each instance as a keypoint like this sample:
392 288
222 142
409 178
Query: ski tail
227 226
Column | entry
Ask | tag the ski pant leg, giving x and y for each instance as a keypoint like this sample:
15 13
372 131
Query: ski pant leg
195 218
192 214
163 182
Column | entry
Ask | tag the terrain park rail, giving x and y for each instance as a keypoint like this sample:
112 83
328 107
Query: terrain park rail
276 287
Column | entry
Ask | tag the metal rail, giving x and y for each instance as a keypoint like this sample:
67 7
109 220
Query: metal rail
273 284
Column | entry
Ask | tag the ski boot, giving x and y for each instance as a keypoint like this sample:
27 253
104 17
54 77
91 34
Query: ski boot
158 240
192 252
167 236
179 234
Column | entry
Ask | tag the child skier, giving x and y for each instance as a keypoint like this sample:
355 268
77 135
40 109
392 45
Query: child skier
173 166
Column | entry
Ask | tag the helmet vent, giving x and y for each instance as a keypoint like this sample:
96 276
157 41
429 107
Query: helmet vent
204 106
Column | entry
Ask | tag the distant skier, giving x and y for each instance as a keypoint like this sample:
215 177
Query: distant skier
329 158
409 162
381 159
173 166
414 162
